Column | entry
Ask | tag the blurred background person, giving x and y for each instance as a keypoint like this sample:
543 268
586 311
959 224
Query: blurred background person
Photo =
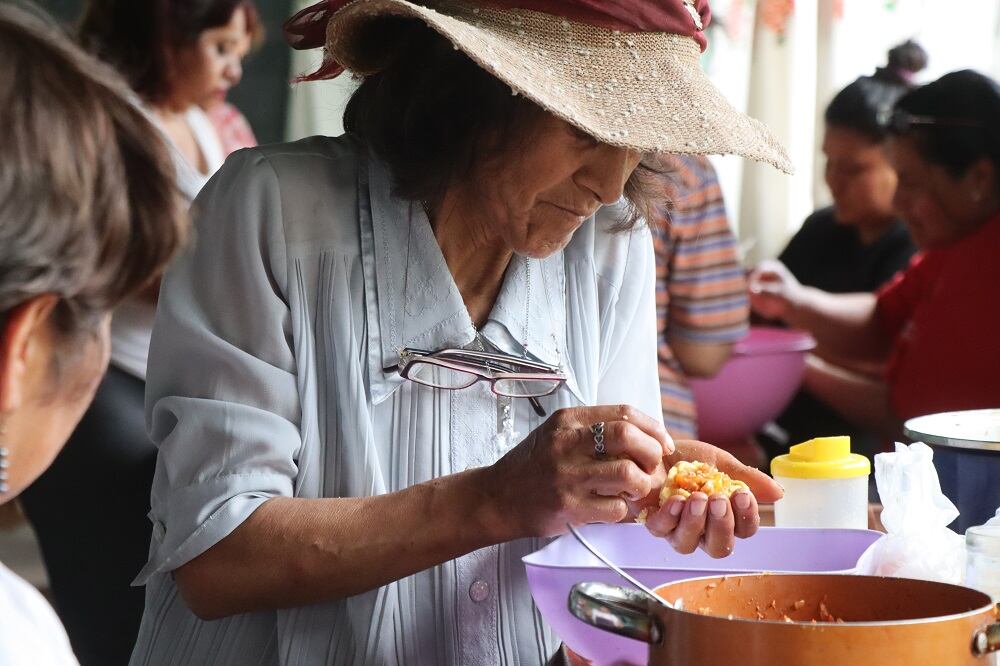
89 510
181 57
230 124
934 324
858 243
88 216
702 308
232 127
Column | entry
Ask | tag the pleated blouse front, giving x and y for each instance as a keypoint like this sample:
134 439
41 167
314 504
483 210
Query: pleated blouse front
271 373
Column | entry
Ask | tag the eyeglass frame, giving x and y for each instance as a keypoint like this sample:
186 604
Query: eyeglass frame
900 122
408 356
496 357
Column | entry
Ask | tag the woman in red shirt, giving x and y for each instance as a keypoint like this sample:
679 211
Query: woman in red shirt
934 326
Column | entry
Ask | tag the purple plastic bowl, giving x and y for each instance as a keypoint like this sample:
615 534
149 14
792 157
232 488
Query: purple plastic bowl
757 382
554 569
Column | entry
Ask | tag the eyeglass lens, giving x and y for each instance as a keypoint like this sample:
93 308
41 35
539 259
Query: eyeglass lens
525 388
439 376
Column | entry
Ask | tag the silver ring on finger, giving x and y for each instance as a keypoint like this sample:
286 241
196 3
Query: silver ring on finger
598 431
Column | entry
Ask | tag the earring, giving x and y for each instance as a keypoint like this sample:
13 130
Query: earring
4 463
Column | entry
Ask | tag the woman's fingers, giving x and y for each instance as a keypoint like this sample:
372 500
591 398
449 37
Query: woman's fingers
622 439
663 521
719 528
584 417
772 289
745 514
557 474
605 510
686 537
619 478
712 522
580 484
741 520
769 304
763 487
771 270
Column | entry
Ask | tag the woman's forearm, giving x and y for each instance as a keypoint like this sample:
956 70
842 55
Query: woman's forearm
699 359
861 399
845 324
294 552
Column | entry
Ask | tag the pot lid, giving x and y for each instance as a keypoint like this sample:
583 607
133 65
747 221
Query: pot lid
975 429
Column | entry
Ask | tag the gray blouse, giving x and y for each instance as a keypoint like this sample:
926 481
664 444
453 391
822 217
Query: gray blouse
268 377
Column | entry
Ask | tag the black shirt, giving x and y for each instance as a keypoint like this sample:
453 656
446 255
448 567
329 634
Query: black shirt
831 257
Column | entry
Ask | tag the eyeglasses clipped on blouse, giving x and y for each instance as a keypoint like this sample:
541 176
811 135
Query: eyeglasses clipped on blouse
454 369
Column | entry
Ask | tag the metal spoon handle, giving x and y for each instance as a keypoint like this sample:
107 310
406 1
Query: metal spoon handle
611 565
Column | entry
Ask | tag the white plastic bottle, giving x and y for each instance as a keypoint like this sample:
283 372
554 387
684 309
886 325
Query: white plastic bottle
982 564
825 485
982 552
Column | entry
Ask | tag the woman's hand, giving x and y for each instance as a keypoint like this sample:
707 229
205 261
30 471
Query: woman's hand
555 476
711 522
774 291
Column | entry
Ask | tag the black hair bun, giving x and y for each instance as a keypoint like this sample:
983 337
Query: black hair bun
905 60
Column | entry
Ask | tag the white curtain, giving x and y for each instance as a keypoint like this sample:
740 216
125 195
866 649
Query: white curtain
316 107
781 61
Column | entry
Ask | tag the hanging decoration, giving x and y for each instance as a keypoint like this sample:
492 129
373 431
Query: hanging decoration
776 15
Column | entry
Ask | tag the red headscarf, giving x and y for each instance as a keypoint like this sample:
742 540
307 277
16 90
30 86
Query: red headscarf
307 29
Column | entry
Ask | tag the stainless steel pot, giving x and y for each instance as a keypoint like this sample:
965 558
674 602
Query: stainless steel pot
767 620
967 458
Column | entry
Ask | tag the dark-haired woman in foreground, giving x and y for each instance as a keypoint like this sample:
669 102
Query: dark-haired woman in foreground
90 509
88 216
935 323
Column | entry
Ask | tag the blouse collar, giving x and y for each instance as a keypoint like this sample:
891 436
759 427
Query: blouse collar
412 299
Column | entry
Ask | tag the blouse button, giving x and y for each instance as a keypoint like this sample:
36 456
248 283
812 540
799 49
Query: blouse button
479 591
159 531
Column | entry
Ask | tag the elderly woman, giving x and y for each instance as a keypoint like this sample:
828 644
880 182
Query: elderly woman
399 359
935 323
88 216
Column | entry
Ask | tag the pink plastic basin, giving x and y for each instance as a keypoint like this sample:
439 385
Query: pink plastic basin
754 386
554 569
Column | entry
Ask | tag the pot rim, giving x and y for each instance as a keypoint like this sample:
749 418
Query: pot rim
986 607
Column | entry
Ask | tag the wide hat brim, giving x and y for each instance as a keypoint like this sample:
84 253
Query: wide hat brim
640 90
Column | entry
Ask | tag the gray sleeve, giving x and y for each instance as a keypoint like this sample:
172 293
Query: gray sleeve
222 403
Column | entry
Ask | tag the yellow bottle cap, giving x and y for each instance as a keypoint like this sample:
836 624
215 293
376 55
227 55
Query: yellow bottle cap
821 458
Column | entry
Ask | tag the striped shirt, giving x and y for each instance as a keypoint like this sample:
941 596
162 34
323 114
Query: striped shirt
701 290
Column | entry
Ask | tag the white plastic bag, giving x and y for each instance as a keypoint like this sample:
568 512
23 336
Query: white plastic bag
916 515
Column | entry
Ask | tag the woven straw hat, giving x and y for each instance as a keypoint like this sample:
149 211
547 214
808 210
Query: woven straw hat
641 90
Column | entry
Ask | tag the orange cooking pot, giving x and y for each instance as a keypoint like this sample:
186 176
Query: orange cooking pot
800 619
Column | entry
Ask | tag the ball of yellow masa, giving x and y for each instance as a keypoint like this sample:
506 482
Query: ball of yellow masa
688 477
